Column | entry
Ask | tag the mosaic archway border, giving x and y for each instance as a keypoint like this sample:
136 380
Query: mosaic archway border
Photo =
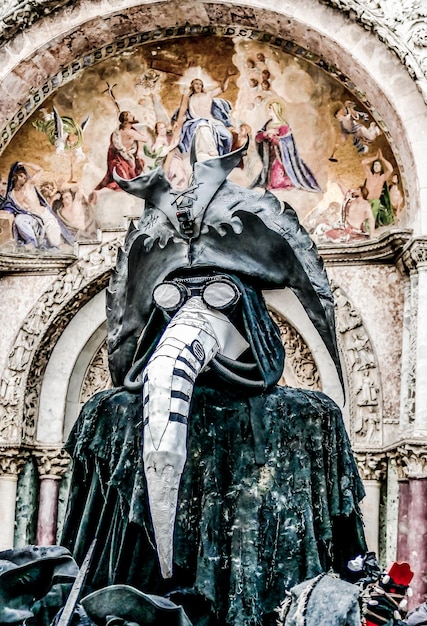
400 27
126 43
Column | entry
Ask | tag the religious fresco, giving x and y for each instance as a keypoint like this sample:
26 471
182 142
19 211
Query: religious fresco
313 143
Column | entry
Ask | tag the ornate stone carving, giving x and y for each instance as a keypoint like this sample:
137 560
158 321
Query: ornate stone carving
397 463
413 262
52 462
97 377
409 404
16 15
371 466
415 255
400 24
300 366
12 460
366 419
414 460
20 386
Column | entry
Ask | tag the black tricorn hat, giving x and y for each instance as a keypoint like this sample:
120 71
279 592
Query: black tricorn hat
27 574
133 605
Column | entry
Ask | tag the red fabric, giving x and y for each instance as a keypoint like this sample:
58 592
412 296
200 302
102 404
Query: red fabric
123 167
401 573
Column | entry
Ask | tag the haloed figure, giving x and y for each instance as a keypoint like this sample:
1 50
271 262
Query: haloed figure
205 121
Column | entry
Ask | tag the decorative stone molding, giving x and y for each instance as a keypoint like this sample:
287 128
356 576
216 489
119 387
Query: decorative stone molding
97 376
414 256
372 466
400 24
397 462
414 459
385 249
34 263
22 378
12 460
52 462
17 15
300 366
366 418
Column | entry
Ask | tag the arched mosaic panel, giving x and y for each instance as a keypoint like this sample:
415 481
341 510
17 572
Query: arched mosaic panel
315 142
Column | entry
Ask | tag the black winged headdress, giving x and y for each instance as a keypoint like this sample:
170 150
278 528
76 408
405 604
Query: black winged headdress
243 233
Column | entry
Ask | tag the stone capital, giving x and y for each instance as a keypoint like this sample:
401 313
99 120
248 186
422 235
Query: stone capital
51 462
396 461
414 257
371 465
12 461
413 460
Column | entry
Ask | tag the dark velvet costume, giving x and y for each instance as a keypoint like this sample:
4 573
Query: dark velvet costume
269 494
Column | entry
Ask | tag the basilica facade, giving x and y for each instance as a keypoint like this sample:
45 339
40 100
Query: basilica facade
332 96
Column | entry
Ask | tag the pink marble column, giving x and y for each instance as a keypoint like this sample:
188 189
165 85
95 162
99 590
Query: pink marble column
417 538
52 465
48 510
402 553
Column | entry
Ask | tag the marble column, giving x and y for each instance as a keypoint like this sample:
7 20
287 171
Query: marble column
414 457
397 462
11 462
402 552
52 464
372 468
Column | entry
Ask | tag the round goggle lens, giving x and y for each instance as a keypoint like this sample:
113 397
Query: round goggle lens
220 294
168 296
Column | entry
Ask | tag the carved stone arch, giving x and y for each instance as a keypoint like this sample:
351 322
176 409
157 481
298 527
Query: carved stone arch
362 373
400 25
38 335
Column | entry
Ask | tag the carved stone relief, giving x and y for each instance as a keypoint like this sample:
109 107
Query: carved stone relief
401 25
371 466
363 376
414 460
12 460
52 462
97 376
22 378
413 260
300 366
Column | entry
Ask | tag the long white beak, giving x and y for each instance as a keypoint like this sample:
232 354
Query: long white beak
189 343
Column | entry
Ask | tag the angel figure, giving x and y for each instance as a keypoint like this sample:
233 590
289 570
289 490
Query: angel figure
350 124
65 134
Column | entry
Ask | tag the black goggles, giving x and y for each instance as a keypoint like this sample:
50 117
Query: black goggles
217 292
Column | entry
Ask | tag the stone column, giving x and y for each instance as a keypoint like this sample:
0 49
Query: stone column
402 553
52 463
11 463
414 457
372 468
